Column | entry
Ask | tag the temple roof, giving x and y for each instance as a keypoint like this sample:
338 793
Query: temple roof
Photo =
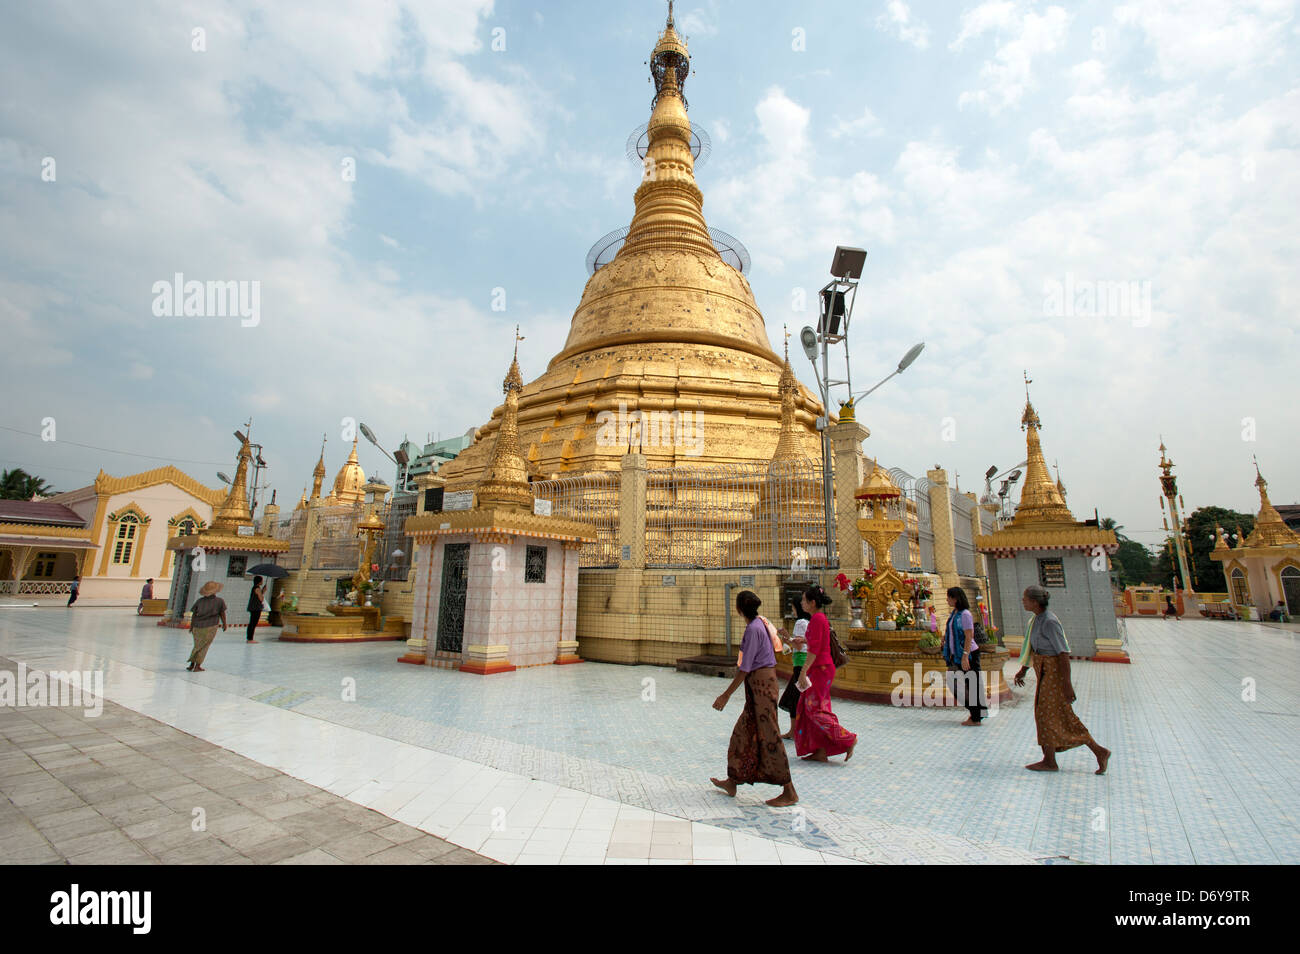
1270 529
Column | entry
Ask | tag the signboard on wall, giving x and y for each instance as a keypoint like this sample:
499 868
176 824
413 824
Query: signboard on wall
460 500
542 508
246 531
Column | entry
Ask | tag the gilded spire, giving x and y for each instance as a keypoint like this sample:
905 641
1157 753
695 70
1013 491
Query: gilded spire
318 475
505 482
302 504
1041 500
669 205
788 443
1270 529
234 510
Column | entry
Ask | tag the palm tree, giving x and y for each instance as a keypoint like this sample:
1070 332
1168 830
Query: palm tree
17 484
1108 523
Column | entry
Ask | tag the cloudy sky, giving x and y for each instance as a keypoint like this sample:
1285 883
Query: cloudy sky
388 172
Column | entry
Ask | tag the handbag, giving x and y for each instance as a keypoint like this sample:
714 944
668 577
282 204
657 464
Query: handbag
838 656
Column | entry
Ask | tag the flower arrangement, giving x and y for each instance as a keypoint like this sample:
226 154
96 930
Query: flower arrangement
921 590
859 588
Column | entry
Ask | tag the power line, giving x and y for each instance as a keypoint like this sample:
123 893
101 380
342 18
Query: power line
109 450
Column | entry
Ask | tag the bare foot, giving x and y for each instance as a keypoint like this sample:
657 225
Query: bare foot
198 669
972 722
849 754
787 736
1042 767
818 756
1102 761
783 800
250 641
726 784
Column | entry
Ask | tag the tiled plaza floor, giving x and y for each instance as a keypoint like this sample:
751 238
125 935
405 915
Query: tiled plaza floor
519 765
122 789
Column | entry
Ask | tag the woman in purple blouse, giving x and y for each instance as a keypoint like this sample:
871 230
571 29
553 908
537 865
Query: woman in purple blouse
756 753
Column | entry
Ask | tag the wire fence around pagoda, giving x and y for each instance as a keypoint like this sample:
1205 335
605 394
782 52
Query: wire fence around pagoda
706 517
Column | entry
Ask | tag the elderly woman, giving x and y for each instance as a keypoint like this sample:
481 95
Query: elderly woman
206 614
1059 728
756 753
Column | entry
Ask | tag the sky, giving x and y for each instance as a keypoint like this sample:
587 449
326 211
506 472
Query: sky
1101 194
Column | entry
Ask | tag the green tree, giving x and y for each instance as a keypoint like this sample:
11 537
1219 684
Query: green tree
1207 574
17 484
1133 562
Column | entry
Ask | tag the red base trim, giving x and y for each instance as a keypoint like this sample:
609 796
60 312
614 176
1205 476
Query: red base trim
1113 659
413 660
367 638
486 669
568 660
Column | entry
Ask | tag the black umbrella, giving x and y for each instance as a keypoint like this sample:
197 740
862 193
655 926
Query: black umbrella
267 569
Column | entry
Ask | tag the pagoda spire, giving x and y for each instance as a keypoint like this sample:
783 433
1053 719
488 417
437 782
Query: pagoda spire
1041 500
505 482
318 475
1270 529
788 444
669 204
234 510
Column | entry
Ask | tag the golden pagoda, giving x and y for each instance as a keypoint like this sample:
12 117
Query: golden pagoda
318 474
1263 569
666 327
349 482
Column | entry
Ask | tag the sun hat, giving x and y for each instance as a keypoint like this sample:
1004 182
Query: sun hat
210 587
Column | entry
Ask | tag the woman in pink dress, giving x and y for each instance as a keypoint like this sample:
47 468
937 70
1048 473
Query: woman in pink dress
818 734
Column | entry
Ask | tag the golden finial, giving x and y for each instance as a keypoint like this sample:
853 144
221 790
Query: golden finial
670 14
518 338
786 329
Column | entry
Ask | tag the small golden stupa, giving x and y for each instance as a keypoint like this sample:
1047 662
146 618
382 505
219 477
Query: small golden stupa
666 326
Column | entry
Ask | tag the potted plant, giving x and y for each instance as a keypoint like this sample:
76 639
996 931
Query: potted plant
930 644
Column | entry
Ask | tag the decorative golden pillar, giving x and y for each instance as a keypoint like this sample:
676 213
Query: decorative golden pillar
945 542
625 602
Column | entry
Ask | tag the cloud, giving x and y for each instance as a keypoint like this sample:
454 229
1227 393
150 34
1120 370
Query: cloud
897 21
865 125
1202 37
1023 36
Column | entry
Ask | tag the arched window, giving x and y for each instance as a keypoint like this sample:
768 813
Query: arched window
127 526
1291 590
186 527
1240 589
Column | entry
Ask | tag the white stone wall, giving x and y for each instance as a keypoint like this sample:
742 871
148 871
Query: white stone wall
1084 605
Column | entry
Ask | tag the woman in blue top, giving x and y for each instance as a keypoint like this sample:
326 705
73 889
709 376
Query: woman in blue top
962 654
756 753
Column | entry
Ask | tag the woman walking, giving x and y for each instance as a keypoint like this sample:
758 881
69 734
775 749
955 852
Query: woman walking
1059 728
756 753
962 655
818 735
205 614
790 697
255 600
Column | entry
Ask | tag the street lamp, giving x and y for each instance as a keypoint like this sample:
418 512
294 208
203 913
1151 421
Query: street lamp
401 460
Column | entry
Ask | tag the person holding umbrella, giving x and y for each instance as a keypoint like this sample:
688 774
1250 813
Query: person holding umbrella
255 599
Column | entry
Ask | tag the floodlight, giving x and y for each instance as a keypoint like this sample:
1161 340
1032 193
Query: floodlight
832 312
848 262
222 477
369 435
988 474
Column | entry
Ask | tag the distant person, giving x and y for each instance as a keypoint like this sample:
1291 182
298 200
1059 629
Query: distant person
755 753
1170 609
146 593
818 734
1059 729
1278 613
962 654
74 590
255 603
207 612
799 646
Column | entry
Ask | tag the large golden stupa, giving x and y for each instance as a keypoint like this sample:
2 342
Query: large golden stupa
666 328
